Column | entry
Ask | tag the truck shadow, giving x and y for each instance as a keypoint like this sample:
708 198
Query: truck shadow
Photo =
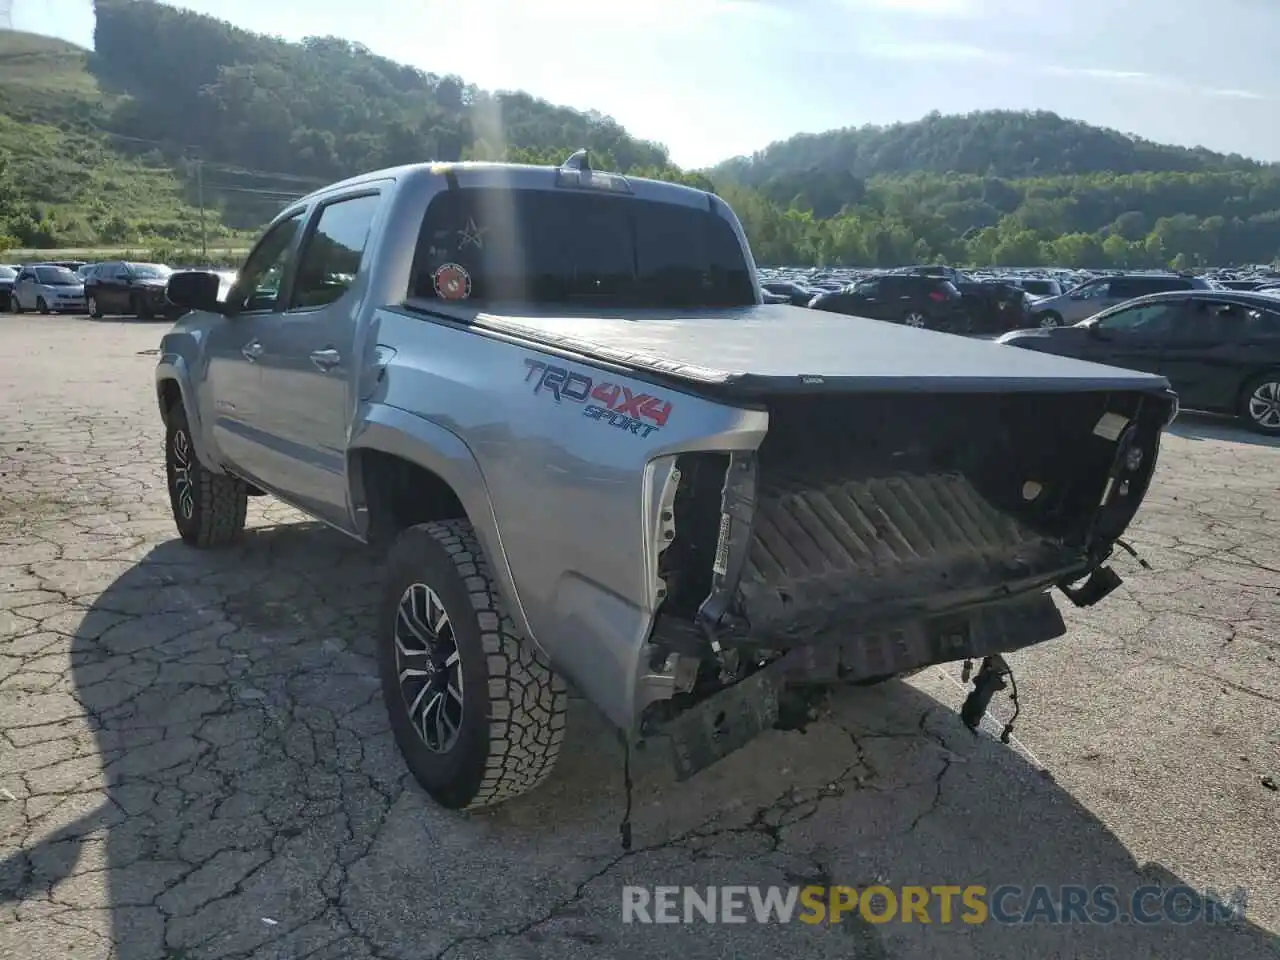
255 805
1192 425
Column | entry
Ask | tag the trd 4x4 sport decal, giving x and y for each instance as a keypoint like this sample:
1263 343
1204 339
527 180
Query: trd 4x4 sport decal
609 403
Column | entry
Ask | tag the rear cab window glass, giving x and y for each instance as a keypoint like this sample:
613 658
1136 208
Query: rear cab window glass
562 246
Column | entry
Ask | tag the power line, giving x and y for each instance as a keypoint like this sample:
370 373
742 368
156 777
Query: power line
213 165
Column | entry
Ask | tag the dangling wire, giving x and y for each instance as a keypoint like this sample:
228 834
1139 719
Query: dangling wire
1013 698
624 828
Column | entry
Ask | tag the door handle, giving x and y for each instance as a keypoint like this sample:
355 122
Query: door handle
252 350
326 359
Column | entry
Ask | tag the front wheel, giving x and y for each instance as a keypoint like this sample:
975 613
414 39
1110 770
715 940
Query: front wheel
1048 319
1260 403
42 306
93 308
477 713
208 508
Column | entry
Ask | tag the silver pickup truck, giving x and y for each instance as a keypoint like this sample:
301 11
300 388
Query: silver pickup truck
598 458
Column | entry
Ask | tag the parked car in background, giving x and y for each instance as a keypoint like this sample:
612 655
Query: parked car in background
791 293
915 300
1040 286
125 287
1219 349
1094 296
48 288
8 275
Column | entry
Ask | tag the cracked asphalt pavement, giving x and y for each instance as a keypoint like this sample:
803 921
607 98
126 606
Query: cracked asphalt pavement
194 760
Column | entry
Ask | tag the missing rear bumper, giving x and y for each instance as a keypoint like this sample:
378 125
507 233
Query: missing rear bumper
724 722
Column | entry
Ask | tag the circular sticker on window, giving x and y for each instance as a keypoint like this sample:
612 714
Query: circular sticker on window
452 282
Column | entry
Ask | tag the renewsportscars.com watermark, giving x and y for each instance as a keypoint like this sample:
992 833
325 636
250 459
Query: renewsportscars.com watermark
940 904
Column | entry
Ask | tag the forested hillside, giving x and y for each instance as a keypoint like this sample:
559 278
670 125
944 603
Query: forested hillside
103 148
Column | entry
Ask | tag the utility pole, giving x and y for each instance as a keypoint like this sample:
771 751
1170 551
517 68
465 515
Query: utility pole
204 240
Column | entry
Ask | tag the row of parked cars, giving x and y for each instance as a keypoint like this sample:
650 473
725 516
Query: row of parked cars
113 287
1217 340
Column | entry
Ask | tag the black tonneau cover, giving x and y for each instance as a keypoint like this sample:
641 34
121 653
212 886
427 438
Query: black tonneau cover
772 348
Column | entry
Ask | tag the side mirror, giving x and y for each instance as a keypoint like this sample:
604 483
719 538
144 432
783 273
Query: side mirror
193 290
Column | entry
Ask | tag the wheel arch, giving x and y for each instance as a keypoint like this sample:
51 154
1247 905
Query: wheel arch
173 388
393 452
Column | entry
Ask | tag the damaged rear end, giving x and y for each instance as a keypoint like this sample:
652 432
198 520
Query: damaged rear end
874 534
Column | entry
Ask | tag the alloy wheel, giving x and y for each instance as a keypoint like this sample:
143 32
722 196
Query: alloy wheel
1264 404
183 490
429 667
92 307
1049 321
914 320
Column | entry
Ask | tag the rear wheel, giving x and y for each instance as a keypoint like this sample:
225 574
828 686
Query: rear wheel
1049 319
1260 403
208 508
914 319
16 303
94 310
477 713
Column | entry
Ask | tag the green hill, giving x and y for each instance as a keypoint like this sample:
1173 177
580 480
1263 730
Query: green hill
103 149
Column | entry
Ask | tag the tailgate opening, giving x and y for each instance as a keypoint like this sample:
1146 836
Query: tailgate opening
867 511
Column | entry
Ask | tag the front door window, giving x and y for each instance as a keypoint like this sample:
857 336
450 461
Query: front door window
258 287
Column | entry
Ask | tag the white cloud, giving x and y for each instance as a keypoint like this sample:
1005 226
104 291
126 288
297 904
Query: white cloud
941 9
967 53
1153 80
948 52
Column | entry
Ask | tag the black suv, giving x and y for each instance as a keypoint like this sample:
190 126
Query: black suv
913 299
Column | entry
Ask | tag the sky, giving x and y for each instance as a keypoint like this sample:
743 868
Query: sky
713 79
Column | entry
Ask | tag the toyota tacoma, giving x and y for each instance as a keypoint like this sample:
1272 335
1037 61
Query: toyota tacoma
596 457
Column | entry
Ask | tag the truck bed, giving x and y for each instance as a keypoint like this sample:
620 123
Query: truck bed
776 348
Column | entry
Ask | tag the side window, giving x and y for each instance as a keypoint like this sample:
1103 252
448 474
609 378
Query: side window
1096 291
1262 323
868 288
331 255
258 286
1125 288
1226 320
1148 318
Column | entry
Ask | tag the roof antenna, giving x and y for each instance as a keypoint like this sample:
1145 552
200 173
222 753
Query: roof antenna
579 160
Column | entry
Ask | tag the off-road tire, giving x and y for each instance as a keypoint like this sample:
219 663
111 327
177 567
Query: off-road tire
513 716
219 501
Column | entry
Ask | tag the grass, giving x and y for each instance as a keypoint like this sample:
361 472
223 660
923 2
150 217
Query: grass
65 173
